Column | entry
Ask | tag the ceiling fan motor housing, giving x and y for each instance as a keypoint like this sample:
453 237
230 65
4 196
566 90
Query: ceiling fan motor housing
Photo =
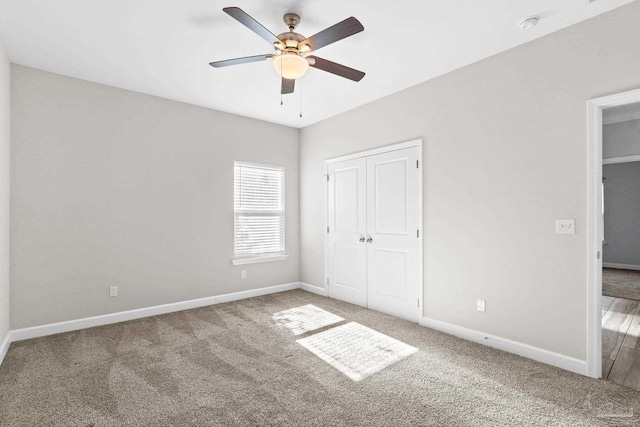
290 41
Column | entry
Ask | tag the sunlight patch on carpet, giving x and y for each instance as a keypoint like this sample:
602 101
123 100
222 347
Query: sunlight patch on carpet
355 350
305 319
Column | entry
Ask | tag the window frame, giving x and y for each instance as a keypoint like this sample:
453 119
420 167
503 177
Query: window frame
240 259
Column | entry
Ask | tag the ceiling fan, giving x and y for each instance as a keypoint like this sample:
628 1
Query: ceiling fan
291 59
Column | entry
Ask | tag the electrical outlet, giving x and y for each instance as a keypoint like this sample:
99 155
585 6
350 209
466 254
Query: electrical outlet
243 274
113 291
480 305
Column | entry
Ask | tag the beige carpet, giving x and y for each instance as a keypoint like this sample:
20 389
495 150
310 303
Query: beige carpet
621 283
238 364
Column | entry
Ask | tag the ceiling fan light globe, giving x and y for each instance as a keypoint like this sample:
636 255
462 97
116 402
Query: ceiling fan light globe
290 66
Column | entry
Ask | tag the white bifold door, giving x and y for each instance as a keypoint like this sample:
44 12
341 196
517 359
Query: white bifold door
374 244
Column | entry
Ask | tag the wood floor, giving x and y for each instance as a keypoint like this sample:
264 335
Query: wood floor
621 283
620 341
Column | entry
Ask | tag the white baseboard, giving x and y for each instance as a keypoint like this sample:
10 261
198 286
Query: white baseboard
123 316
4 347
550 358
314 289
621 266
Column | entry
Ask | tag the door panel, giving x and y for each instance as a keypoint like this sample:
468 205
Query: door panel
391 196
392 282
393 264
347 218
346 199
345 275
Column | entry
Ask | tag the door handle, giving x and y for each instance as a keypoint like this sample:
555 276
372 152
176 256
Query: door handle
362 238
369 240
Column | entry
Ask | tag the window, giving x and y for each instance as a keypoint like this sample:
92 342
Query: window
258 213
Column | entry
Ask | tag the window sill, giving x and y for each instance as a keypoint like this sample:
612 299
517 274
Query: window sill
254 260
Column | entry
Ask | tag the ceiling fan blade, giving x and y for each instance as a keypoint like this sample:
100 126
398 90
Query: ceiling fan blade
339 31
250 23
287 86
244 60
335 68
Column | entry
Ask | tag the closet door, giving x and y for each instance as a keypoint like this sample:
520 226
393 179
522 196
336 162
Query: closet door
393 264
347 217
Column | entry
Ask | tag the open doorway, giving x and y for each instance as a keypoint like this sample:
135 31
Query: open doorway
614 239
621 245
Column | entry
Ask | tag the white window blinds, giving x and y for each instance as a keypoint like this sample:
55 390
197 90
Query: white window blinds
258 210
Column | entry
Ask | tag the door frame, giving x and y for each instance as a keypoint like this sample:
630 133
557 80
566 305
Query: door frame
595 227
384 149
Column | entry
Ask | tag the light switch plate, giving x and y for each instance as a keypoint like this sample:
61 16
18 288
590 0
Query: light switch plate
565 226
480 305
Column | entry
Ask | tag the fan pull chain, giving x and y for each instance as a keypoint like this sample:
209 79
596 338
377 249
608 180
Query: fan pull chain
281 101
300 90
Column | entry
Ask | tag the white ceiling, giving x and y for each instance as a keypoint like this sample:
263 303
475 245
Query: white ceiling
163 48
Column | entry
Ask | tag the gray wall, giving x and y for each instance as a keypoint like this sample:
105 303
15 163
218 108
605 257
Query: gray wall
111 187
622 213
505 154
621 139
5 120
